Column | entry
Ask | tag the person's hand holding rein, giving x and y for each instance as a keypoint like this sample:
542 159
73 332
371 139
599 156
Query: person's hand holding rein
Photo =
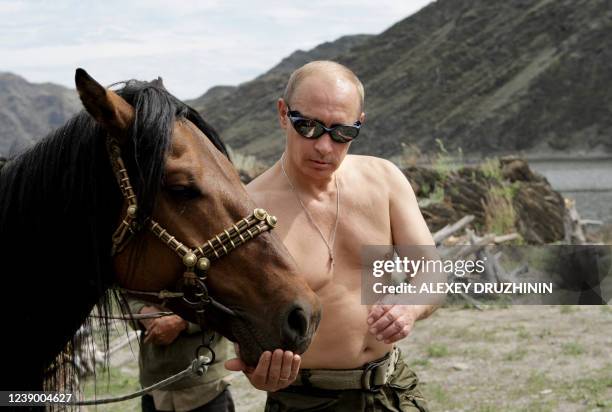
164 330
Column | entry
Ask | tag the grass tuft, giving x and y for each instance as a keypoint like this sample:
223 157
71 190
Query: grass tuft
572 349
437 350
500 216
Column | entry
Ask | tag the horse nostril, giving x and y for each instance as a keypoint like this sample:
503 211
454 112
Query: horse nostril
295 328
297 321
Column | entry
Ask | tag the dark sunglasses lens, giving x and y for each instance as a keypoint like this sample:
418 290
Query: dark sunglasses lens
308 128
345 134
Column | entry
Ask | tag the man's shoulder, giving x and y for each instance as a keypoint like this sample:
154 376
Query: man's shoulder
261 181
375 173
256 184
371 166
262 185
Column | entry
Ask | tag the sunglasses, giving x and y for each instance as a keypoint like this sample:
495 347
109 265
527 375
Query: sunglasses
313 129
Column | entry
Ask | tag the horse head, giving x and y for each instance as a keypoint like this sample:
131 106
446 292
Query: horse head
187 225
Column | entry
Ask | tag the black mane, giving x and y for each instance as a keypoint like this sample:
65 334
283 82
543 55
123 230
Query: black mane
59 204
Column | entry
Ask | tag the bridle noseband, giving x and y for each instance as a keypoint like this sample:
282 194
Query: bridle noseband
197 260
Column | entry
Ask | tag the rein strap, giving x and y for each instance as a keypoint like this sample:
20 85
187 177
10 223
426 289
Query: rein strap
197 367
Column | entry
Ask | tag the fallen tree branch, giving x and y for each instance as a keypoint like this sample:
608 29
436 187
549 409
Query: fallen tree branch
506 238
467 250
593 222
448 230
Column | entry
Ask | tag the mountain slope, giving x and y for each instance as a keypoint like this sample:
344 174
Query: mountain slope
487 76
245 115
29 111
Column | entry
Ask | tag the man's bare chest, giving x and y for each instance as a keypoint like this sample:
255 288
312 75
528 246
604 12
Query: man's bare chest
360 223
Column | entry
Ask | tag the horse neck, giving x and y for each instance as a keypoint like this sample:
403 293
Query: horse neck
57 211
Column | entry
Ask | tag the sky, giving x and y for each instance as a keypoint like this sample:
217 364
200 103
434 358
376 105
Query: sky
192 45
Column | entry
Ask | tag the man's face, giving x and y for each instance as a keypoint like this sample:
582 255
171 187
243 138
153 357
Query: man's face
330 99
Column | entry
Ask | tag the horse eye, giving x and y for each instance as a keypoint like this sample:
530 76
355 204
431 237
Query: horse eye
183 192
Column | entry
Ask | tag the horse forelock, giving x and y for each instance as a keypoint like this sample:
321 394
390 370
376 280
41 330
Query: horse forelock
156 110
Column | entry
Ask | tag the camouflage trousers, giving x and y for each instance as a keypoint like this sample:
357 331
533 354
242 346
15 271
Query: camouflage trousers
400 393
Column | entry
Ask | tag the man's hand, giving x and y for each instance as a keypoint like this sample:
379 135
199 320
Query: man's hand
164 330
273 372
390 323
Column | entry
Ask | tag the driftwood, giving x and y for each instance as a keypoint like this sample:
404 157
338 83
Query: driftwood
474 245
574 233
586 222
448 230
460 252
506 238
490 271
493 268
470 244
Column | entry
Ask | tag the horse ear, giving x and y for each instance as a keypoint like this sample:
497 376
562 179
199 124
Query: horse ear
107 107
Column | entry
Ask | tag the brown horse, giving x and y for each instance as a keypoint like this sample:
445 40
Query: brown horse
179 220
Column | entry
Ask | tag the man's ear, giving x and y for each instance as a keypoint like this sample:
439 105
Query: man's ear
362 118
281 107
105 106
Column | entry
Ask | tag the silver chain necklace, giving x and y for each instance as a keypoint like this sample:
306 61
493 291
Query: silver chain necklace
332 238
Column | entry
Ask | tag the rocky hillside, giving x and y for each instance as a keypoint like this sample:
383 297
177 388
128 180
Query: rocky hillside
245 115
487 76
30 111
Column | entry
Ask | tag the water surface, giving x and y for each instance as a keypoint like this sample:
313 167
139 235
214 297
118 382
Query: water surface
589 182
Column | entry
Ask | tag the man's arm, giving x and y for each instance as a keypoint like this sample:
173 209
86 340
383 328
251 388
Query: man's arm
390 323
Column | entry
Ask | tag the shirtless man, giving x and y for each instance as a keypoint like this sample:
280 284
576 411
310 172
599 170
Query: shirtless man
329 204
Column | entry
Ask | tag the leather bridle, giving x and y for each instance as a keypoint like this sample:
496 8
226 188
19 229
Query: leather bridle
197 260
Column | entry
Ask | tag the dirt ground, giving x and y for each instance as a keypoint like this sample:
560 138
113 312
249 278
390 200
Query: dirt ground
519 358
